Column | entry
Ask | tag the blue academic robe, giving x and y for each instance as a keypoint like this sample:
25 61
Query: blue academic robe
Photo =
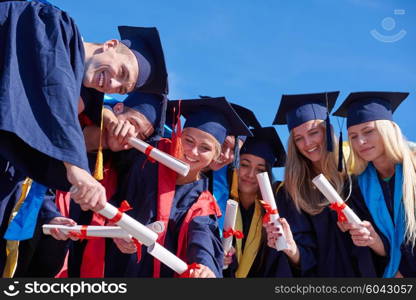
408 260
42 63
325 251
140 190
11 181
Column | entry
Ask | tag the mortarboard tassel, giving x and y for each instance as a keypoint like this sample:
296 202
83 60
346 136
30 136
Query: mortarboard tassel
329 144
177 133
234 186
340 153
99 168
236 161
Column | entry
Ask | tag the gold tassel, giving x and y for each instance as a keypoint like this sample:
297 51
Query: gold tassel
99 163
234 185
12 247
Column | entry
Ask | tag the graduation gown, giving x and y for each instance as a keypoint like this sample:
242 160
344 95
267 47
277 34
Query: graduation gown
140 190
408 260
325 251
42 63
11 181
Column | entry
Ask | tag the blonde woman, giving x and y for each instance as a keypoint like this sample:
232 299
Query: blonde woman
322 249
385 190
182 203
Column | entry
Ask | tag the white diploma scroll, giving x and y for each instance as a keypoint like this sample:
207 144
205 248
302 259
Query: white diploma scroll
167 257
165 159
331 194
137 230
99 231
229 223
91 231
268 197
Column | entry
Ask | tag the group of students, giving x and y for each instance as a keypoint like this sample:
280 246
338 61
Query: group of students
57 127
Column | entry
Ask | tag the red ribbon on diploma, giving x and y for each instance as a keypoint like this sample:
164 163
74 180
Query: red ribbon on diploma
269 211
147 153
83 234
139 248
187 273
339 209
123 208
231 232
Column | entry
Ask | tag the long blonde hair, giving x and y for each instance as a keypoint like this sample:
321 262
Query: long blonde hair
397 149
299 174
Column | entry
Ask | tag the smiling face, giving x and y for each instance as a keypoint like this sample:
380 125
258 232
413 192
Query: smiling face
309 139
366 141
143 127
112 69
227 154
250 166
199 148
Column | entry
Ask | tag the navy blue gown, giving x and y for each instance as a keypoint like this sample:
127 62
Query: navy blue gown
11 181
42 68
140 190
408 261
325 251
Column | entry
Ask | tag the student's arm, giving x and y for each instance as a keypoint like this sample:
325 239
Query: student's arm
204 244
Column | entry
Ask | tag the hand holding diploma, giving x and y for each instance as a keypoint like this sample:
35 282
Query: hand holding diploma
345 214
269 204
229 226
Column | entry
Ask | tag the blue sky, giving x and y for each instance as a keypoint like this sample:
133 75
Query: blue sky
252 52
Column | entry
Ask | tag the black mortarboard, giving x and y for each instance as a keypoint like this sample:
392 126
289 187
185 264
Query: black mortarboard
265 143
248 117
212 115
295 110
363 107
145 43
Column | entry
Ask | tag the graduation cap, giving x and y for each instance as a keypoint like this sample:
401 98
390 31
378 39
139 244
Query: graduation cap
363 107
247 116
295 110
265 143
145 44
150 105
212 115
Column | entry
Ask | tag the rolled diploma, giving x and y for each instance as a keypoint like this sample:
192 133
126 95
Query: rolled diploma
331 194
229 223
167 257
92 231
165 159
267 195
99 231
137 230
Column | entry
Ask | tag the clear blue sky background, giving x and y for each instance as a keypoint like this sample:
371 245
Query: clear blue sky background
252 52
